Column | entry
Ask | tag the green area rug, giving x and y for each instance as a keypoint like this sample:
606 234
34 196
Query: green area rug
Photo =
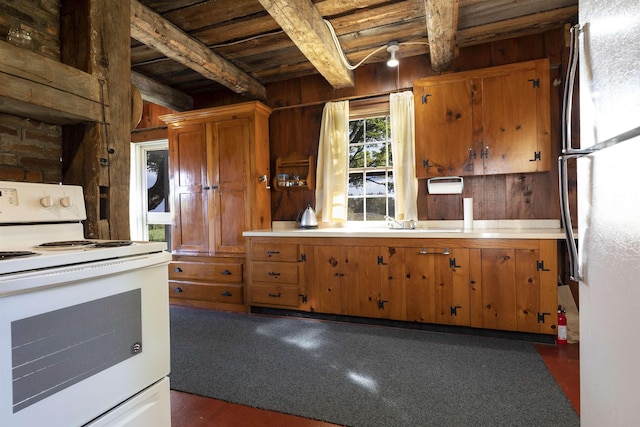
361 375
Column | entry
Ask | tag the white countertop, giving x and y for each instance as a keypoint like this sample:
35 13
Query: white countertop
492 229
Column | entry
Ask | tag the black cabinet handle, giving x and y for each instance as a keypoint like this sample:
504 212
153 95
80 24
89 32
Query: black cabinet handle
226 294
177 270
275 295
226 273
269 253
273 273
178 290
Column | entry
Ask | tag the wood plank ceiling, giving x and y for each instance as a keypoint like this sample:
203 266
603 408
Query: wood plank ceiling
194 46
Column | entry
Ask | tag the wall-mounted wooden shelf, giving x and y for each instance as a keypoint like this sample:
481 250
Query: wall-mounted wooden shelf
295 171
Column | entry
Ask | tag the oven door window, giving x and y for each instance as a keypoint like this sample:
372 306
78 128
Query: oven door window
54 350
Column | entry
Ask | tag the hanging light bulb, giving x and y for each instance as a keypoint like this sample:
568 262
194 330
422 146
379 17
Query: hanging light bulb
392 48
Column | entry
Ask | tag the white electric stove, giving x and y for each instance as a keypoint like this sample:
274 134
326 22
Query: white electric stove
84 324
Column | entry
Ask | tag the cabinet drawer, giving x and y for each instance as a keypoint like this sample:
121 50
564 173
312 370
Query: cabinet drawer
264 293
275 272
227 293
274 251
210 272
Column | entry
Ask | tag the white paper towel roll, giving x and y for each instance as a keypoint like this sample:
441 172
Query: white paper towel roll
467 203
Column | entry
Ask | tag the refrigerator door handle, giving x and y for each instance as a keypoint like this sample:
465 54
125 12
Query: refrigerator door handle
568 152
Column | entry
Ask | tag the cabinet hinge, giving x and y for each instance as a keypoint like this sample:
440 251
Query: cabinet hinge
425 164
381 260
535 82
424 97
540 266
304 297
452 263
454 310
537 156
541 317
381 304
303 257
484 154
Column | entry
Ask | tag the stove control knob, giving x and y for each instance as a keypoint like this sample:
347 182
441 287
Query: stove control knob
46 202
66 202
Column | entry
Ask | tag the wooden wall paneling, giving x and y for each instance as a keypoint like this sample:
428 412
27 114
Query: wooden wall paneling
493 197
444 207
528 196
473 57
517 50
284 93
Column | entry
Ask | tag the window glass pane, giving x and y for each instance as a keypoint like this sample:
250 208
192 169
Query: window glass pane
160 233
376 129
356 187
390 187
356 131
376 155
376 184
376 208
157 181
356 156
355 210
392 206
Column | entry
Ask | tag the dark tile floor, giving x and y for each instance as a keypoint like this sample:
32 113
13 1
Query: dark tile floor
188 410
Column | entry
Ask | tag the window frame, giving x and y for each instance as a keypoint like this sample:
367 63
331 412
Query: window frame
139 217
362 110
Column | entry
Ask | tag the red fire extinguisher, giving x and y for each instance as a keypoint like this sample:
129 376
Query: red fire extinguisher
562 326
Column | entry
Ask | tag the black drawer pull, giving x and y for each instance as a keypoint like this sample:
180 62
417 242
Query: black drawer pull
273 273
275 295
226 294
177 270
226 273
178 290
269 253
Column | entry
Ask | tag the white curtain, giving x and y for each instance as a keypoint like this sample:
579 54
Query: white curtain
331 175
404 157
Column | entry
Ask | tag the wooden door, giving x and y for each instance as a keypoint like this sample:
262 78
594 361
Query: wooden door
188 177
509 122
527 290
443 112
452 288
499 289
360 281
229 157
393 291
325 263
419 282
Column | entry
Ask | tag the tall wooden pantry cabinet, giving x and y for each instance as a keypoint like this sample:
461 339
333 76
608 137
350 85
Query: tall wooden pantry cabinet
219 175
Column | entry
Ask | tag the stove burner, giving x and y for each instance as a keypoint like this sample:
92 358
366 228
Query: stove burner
65 244
112 244
15 254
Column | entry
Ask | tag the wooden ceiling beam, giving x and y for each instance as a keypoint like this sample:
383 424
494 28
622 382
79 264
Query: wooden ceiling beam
442 25
155 31
306 28
160 94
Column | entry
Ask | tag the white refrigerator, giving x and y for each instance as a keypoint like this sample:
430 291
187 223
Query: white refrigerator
607 261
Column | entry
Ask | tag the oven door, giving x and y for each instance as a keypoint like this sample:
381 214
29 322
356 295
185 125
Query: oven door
78 341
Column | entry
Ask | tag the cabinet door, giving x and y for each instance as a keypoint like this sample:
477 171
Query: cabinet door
188 176
393 291
419 283
229 171
326 272
360 281
453 305
444 127
498 289
510 122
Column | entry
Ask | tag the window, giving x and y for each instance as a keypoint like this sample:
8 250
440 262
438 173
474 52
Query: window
370 190
149 202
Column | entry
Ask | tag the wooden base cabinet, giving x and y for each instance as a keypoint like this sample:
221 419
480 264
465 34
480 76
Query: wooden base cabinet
277 273
219 170
481 283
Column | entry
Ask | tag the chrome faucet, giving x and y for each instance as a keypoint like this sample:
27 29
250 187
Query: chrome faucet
394 223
